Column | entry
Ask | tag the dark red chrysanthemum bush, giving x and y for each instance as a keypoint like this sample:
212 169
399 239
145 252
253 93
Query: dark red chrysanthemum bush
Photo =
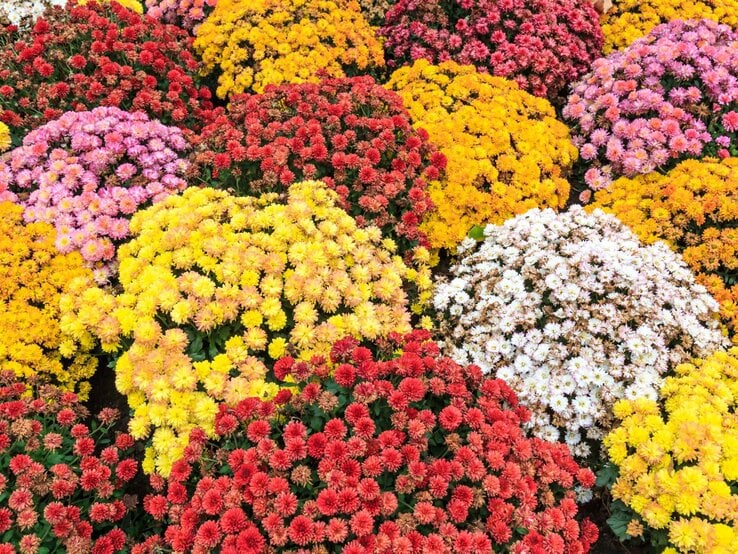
542 44
81 57
410 454
351 133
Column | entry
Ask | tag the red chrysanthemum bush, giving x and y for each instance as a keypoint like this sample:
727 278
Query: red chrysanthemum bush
80 57
350 133
412 453
62 482
542 44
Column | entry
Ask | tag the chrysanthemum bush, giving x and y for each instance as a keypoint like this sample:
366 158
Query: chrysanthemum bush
62 480
352 134
88 172
375 10
574 313
694 207
669 96
252 43
81 57
5 140
33 275
629 20
22 13
541 44
676 461
214 286
401 452
506 151
188 14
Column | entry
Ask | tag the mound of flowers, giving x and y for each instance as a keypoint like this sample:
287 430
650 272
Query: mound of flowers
669 96
252 43
33 276
63 481
187 14
541 44
399 452
694 207
352 134
22 13
677 460
88 172
214 286
5 139
506 151
629 20
82 57
375 10
574 313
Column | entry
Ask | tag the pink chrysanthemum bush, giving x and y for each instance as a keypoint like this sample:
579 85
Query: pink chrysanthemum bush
402 452
671 95
541 44
88 172
62 481
187 14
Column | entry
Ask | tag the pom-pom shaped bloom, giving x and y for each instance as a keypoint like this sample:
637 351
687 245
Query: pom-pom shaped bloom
541 44
575 313
252 43
506 151
63 481
214 286
88 172
80 57
188 14
352 134
33 275
629 20
412 453
5 140
694 207
677 460
669 96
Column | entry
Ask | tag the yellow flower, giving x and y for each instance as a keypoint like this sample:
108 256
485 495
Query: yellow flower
5 141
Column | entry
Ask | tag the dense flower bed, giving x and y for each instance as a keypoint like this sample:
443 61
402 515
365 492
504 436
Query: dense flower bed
252 43
669 96
506 151
415 453
188 14
81 57
543 45
574 313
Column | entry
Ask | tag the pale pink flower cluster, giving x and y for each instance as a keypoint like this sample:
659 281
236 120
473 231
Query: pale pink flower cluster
574 313
88 172
188 14
667 97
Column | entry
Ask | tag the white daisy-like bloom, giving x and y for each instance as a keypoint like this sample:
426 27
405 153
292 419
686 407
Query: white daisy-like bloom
574 313
22 13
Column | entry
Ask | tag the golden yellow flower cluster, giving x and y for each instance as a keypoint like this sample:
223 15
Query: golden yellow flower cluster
676 470
694 207
257 42
33 275
5 140
506 151
133 5
214 286
629 20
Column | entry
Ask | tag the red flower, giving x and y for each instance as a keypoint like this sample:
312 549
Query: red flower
301 530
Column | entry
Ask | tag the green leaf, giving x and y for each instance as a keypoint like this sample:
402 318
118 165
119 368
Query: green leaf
477 233
607 475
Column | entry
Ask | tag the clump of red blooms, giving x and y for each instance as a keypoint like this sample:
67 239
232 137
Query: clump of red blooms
414 453
351 133
80 57
542 44
62 483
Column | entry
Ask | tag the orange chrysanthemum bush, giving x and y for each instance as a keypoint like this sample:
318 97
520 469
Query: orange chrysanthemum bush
252 43
214 288
506 151
33 276
694 207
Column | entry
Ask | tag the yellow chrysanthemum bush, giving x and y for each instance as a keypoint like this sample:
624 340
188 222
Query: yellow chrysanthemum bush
215 287
33 276
629 20
5 140
253 43
693 207
675 463
506 151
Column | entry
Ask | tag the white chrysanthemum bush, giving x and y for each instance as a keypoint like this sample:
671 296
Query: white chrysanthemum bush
574 313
